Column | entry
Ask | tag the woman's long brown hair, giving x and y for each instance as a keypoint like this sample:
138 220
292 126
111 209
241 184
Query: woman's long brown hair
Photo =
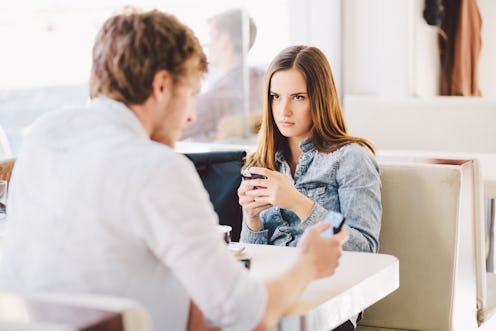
328 130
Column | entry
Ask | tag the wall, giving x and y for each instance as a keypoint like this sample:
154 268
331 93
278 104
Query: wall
377 47
389 50
487 64
318 23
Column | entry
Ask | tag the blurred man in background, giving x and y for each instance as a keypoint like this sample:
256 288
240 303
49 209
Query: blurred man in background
221 111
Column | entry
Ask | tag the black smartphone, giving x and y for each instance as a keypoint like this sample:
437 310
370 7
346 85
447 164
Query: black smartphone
247 175
336 225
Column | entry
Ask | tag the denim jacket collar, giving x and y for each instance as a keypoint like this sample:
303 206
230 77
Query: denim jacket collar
308 151
305 146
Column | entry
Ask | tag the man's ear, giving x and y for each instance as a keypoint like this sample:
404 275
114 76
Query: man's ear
161 85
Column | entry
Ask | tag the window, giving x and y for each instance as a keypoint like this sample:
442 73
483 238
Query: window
46 56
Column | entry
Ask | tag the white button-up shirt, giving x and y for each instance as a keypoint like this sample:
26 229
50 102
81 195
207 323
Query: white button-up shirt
96 206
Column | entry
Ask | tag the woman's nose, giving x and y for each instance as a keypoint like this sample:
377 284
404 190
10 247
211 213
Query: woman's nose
285 108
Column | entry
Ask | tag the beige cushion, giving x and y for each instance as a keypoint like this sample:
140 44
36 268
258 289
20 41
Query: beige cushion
427 208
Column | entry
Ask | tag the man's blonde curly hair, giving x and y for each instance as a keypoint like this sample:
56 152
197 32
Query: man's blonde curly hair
133 46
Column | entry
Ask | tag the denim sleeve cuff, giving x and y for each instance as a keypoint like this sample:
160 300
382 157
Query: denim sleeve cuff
316 215
252 237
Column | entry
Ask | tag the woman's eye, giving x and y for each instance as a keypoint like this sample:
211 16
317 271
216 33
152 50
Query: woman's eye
274 97
299 97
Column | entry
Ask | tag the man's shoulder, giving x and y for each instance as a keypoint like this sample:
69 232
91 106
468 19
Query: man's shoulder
163 158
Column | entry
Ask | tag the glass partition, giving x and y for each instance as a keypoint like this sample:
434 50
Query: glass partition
46 58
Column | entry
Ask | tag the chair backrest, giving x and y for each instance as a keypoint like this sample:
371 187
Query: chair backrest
221 175
429 224
6 167
70 312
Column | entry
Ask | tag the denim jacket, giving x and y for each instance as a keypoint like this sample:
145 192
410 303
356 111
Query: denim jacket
346 182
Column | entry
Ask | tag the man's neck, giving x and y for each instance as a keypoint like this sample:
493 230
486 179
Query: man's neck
143 114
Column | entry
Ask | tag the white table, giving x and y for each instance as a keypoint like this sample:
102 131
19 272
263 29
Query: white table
361 280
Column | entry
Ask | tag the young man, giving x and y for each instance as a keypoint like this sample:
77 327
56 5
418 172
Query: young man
101 203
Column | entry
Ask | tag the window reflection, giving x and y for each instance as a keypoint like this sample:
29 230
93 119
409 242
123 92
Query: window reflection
46 60
232 104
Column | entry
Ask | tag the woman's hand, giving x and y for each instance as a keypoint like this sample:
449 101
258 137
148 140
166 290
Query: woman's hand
251 207
278 190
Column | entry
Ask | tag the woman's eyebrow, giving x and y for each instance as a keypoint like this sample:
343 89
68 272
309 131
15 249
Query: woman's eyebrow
295 93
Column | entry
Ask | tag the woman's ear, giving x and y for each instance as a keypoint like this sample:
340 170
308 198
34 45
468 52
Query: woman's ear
161 85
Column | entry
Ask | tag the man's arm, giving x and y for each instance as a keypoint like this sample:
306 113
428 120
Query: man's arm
318 257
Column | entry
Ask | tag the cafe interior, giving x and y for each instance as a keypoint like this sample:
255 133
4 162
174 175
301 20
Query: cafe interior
414 77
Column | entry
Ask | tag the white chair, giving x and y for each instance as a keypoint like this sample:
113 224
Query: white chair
70 312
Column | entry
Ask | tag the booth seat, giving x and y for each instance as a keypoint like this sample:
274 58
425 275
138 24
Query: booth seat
447 127
433 222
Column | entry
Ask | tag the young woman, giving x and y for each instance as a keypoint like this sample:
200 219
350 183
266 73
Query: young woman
312 167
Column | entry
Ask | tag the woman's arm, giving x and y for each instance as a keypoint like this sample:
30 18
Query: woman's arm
359 189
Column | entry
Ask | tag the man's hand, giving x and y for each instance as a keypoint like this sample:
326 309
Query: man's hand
322 254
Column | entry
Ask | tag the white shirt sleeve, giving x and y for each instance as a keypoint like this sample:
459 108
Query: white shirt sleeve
179 226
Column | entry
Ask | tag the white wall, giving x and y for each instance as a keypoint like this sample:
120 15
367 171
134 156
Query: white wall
487 62
377 45
384 47
319 23
426 63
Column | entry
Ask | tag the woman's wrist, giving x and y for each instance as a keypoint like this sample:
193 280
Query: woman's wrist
254 224
303 207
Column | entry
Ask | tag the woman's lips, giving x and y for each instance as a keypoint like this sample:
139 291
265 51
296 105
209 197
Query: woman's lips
285 123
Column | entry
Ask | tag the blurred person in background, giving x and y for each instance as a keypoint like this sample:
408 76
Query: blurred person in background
221 110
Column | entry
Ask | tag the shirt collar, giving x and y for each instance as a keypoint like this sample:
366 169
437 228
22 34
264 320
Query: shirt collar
119 113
